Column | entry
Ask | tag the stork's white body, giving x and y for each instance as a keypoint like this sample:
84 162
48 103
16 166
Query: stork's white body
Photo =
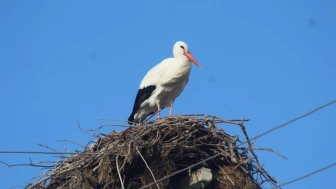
163 84
170 78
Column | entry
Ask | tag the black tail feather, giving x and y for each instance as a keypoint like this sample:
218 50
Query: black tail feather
142 95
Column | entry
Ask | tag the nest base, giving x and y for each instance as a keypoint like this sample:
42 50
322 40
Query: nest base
142 154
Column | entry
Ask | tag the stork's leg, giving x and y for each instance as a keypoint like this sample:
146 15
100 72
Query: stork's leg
171 109
159 109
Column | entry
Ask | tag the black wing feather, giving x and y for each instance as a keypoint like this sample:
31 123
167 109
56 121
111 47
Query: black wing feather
142 95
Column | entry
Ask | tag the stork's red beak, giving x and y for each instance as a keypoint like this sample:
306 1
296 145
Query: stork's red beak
192 59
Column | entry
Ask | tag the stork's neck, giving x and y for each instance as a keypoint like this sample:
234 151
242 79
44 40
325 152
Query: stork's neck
182 61
183 67
177 71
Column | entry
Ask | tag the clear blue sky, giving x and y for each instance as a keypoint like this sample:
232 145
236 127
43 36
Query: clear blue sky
268 61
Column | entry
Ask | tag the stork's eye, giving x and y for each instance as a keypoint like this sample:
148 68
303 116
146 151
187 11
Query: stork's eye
182 47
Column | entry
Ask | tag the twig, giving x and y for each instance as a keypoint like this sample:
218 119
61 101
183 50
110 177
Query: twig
80 128
113 119
238 120
270 150
106 125
43 145
71 142
228 176
19 186
39 182
252 152
157 184
29 164
121 181
150 117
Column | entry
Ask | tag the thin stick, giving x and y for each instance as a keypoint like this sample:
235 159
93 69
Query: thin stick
71 142
241 124
270 150
227 176
32 164
39 182
45 146
121 181
157 184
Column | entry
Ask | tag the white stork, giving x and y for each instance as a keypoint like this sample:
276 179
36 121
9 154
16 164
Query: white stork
163 84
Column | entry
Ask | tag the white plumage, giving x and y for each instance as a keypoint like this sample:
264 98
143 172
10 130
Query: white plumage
163 84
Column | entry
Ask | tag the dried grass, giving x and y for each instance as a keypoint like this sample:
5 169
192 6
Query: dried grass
167 146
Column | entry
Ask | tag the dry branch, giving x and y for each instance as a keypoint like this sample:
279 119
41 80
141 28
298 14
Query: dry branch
148 167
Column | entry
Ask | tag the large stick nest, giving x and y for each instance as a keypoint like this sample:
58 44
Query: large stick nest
174 143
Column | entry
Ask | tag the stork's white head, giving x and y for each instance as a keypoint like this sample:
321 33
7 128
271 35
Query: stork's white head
181 51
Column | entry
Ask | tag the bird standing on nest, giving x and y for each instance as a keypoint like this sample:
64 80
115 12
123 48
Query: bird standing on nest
163 84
